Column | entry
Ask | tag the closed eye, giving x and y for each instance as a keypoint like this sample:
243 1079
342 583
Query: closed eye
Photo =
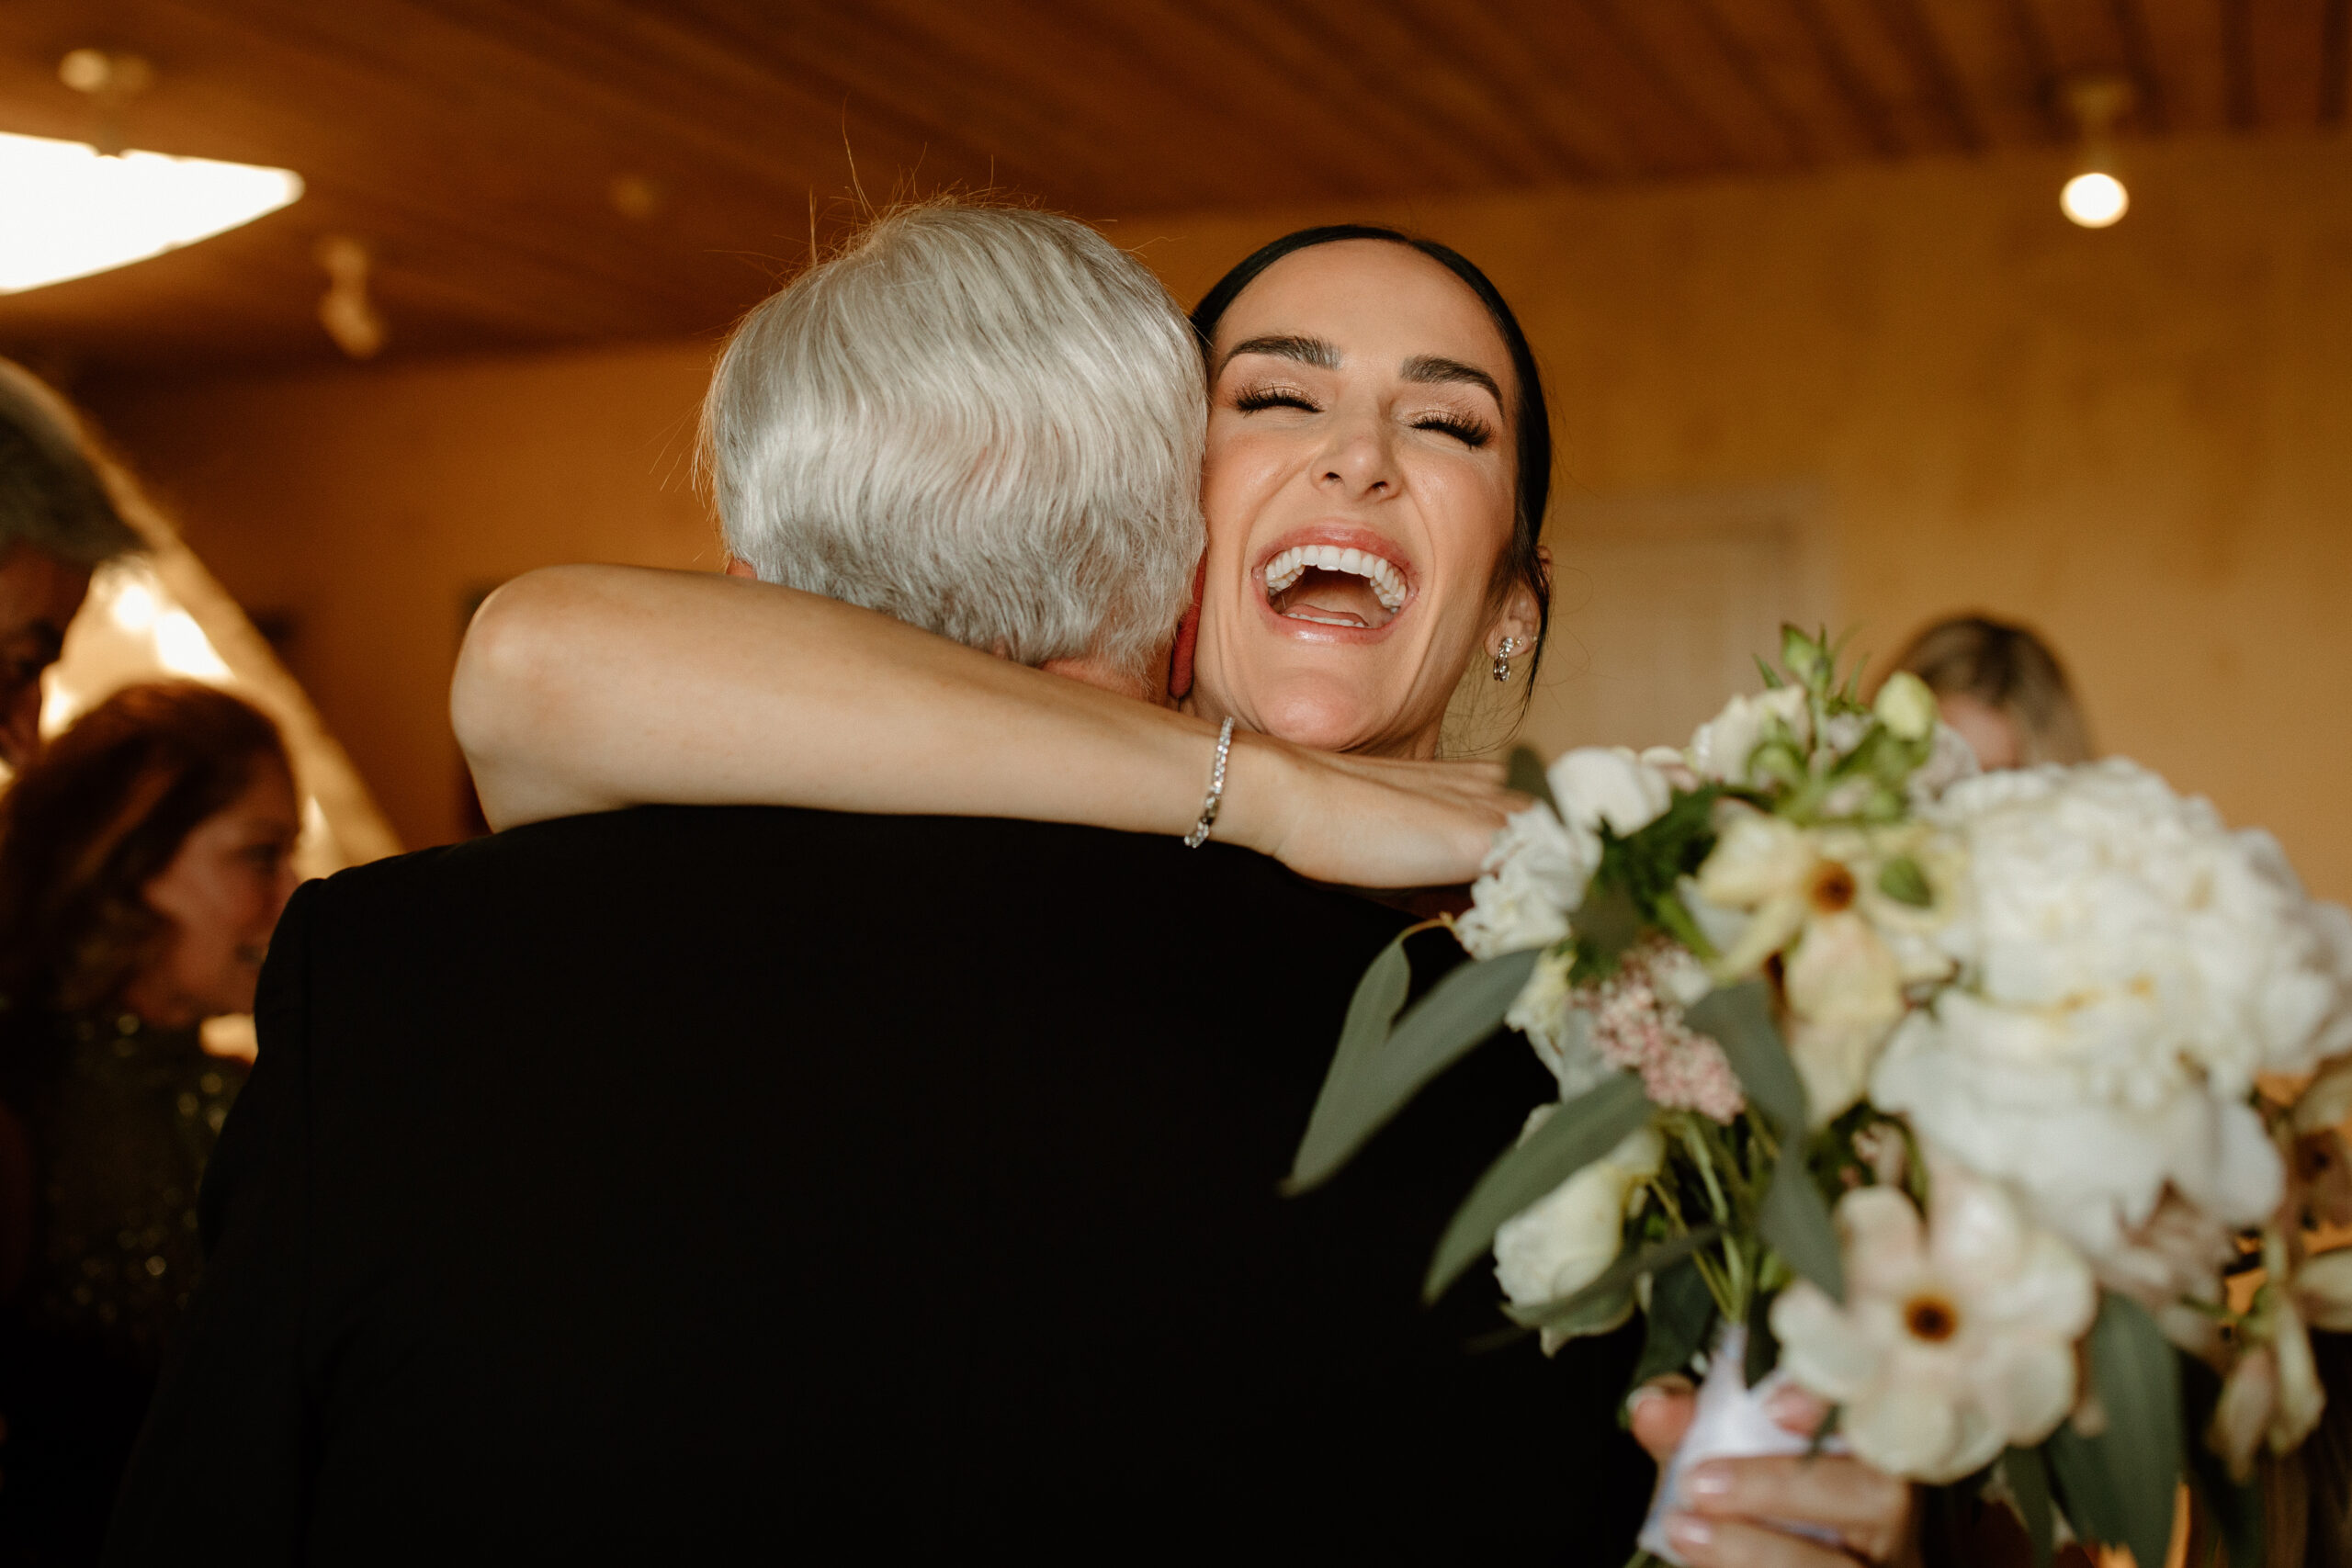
1472 433
1258 398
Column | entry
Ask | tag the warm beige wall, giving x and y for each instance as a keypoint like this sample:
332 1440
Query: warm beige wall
372 503
2141 440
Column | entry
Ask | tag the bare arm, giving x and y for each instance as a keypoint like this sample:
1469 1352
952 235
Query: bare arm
589 688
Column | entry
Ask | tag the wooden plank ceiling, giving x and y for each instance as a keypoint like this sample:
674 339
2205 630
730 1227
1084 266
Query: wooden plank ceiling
475 145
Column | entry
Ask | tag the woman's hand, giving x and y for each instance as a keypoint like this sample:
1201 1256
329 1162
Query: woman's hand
1366 822
1874 1515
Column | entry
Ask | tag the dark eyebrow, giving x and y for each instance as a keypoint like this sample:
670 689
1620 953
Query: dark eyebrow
1429 368
1312 351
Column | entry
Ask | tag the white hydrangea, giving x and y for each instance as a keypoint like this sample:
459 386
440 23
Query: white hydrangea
1536 873
1534 878
2128 967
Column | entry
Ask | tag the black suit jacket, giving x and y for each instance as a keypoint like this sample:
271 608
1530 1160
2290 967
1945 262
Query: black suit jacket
653 1185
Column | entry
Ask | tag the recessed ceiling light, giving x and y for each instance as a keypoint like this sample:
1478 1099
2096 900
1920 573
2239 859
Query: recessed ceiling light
66 211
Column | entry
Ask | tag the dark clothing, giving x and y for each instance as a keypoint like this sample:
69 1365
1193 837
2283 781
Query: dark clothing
649 1186
114 1123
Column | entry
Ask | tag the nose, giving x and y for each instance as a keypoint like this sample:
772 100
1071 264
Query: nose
1361 462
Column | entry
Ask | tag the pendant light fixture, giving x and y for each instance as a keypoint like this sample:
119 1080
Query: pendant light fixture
2095 197
68 209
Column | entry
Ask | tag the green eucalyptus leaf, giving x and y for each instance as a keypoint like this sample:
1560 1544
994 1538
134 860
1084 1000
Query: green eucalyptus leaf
1739 1019
1606 925
2118 1486
1461 1012
1680 1321
1372 1012
1794 1220
1901 880
1763 1346
1615 1281
2028 1474
1525 773
1576 1134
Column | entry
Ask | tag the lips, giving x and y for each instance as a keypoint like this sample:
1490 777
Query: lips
1340 576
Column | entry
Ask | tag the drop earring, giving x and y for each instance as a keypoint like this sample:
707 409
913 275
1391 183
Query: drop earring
1502 660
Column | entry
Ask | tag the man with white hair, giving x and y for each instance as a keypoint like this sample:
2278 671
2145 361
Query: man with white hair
698 1181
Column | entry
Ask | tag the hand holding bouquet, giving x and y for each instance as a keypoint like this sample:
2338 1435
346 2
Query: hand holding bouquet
1938 1095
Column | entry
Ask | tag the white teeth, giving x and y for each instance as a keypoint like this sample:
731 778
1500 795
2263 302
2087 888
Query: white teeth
1388 582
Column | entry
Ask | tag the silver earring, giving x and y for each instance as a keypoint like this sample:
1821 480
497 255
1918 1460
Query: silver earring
1502 660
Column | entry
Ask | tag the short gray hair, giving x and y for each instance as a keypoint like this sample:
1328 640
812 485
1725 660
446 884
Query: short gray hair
986 422
51 495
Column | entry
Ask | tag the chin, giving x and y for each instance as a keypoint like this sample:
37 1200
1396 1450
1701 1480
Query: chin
1325 714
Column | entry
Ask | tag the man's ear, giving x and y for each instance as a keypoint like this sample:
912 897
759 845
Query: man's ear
738 567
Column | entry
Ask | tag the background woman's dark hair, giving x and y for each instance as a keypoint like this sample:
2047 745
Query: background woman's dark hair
1531 422
97 816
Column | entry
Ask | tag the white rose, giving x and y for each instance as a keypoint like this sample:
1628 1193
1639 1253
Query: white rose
1722 746
1535 880
1566 1239
1609 784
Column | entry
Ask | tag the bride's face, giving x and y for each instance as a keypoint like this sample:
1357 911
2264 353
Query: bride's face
1358 488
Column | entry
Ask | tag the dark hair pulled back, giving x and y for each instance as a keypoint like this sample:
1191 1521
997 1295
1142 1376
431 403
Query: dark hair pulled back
1530 421
99 815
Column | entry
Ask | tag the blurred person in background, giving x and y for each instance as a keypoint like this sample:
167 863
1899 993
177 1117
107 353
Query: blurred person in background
143 865
57 524
2003 689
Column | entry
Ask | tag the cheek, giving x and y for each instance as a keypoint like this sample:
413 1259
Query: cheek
1239 473
1470 519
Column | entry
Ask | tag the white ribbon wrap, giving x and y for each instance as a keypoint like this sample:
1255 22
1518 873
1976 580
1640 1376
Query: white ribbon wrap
1730 1423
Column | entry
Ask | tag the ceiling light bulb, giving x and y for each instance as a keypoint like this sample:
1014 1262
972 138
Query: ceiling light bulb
2094 199
74 212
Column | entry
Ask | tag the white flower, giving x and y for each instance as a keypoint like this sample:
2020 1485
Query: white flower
2129 965
1566 1239
1561 1032
1537 872
1850 948
2066 1104
1906 706
1949 760
1535 877
1952 1344
1608 783
2099 882
1724 745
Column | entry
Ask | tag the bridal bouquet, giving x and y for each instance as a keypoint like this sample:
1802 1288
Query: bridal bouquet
1952 1099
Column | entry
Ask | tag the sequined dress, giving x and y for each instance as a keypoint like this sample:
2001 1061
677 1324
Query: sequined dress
118 1121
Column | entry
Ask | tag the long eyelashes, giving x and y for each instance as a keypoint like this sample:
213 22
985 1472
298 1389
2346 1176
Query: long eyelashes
1470 431
1258 398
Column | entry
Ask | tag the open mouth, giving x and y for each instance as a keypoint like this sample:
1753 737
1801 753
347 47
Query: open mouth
1330 585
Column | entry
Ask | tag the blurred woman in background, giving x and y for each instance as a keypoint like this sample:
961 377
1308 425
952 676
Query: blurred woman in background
144 859
2003 689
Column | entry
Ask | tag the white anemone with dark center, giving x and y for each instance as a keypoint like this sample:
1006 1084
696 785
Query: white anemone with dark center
1334 586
